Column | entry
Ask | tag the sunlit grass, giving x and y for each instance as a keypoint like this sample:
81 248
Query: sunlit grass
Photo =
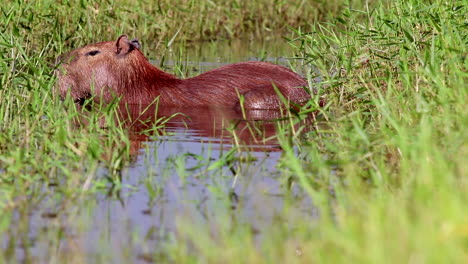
388 172
384 162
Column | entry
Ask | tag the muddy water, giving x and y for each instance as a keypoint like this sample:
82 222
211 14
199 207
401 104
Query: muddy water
174 181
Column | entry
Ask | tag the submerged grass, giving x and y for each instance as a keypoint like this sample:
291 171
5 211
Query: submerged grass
387 170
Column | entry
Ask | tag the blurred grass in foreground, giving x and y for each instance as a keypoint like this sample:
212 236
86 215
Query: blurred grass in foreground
389 174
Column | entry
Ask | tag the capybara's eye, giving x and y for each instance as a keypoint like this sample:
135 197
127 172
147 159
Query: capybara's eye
93 53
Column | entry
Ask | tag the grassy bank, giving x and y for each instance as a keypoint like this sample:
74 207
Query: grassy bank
389 172
75 23
385 167
395 78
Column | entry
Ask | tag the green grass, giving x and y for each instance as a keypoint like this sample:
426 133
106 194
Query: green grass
385 164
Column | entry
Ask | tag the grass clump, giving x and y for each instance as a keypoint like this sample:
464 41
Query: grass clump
395 80
386 168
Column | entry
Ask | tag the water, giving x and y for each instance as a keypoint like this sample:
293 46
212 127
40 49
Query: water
201 57
176 177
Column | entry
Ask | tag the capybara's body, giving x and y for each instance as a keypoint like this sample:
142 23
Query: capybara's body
110 69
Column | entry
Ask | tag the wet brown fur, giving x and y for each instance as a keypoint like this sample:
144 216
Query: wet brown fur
120 69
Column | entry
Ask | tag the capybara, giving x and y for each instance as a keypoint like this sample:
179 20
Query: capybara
119 69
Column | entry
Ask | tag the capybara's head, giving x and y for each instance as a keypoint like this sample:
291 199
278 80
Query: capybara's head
98 70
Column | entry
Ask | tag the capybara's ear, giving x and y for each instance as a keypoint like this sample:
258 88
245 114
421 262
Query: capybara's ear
123 46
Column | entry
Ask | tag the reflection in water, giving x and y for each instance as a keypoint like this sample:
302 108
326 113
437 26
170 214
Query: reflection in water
253 130
173 180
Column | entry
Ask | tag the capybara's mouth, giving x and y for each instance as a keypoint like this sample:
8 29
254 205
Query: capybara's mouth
81 100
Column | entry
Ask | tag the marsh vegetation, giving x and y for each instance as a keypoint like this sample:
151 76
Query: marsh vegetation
378 176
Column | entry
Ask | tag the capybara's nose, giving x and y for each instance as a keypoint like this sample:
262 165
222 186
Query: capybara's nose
59 59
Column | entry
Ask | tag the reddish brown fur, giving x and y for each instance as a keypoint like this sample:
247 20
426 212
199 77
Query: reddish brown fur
120 69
